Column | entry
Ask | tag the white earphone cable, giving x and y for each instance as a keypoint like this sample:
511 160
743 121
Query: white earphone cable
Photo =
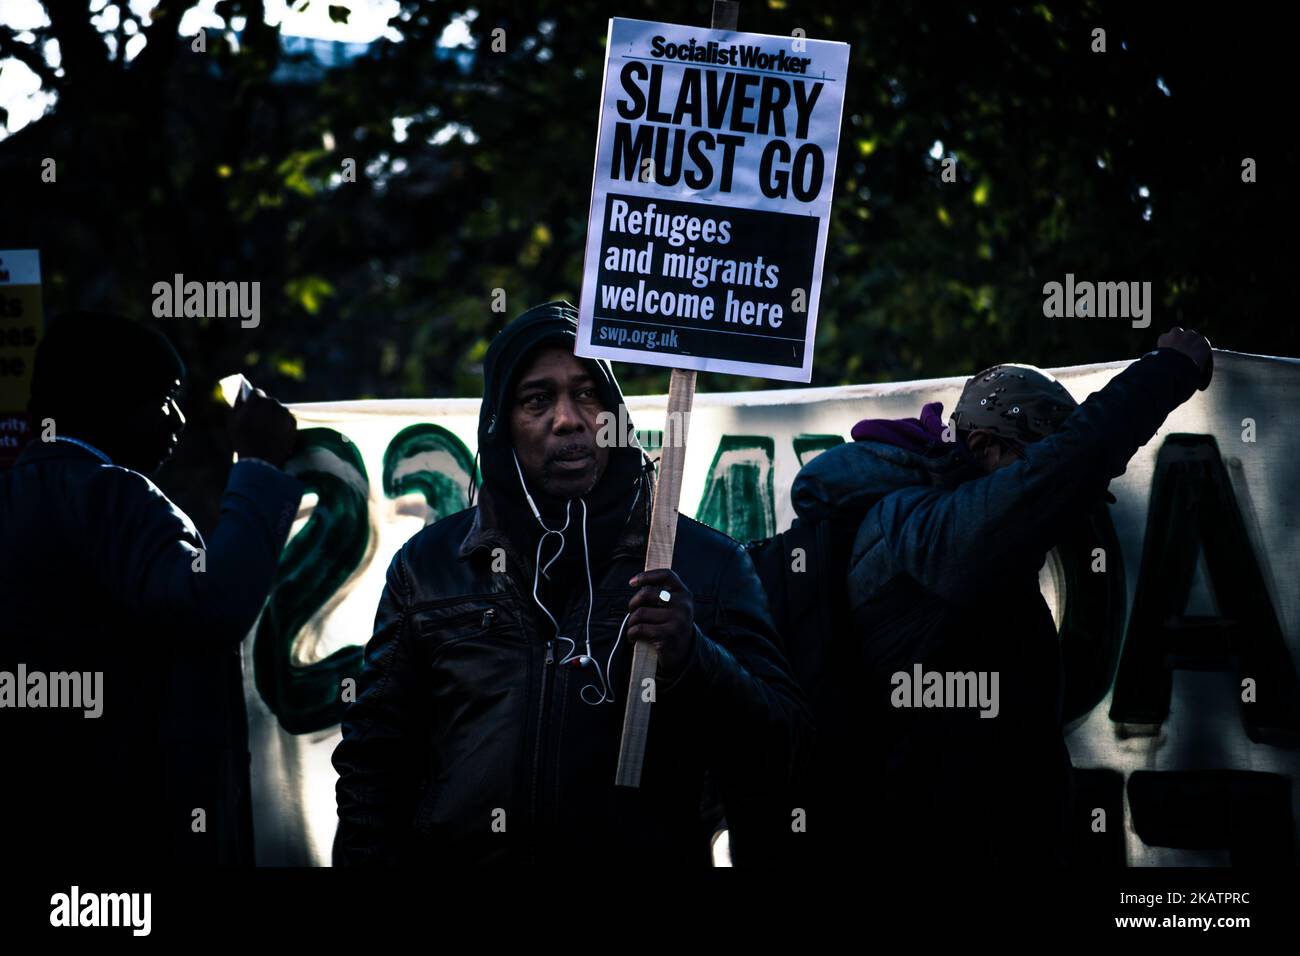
602 688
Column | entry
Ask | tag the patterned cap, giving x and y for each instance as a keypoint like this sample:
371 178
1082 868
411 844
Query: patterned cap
1018 402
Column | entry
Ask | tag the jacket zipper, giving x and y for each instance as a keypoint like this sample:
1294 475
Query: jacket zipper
547 671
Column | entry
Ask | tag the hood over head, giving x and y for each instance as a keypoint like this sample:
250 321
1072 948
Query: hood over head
553 323
846 481
610 502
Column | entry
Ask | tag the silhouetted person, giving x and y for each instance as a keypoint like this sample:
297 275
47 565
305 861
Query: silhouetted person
943 580
102 574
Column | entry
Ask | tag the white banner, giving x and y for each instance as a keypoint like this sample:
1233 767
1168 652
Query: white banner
1227 459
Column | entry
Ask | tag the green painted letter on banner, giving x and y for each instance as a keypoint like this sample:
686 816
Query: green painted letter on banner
738 498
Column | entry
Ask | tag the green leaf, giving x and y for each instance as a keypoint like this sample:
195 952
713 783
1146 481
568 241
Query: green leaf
339 13
291 368
309 292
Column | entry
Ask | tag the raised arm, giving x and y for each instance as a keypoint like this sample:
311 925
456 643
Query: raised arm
956 542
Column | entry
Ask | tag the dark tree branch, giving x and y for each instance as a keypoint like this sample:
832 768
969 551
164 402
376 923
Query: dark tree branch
161 41
29 54
83 52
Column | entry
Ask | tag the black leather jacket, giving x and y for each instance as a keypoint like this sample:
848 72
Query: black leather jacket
469 743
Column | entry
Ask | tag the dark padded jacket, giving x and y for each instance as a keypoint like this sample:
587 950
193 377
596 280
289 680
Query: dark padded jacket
469 743
944 574
99 574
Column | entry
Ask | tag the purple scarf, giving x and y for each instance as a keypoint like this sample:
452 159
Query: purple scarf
911 434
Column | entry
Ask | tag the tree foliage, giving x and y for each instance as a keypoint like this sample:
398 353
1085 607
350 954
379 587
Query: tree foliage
219 165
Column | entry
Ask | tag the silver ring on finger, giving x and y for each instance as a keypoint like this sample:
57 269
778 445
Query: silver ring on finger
665 595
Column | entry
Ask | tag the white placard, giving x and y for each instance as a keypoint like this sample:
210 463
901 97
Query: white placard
711 199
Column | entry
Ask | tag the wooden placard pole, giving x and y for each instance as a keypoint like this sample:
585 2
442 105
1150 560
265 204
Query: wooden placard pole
658 554
663 527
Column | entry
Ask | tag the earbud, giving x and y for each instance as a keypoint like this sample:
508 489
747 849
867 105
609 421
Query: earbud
523 484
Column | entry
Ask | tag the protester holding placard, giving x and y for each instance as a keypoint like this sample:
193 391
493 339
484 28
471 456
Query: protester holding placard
489 712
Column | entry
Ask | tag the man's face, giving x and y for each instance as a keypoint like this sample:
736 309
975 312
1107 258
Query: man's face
151 431
553 425
994 452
